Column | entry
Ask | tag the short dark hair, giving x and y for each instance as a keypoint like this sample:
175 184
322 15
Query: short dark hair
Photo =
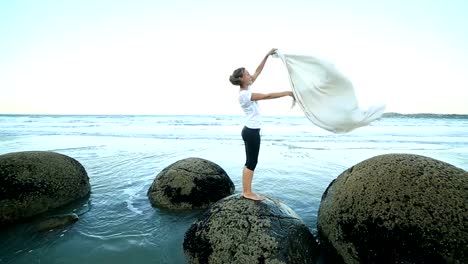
236 76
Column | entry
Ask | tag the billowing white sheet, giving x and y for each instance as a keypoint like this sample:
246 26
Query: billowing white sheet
325 95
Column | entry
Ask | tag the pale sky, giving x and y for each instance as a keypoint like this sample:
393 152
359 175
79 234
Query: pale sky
175 57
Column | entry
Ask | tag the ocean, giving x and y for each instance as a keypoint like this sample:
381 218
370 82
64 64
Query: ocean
123 154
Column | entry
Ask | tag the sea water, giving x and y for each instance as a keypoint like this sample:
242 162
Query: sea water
123 155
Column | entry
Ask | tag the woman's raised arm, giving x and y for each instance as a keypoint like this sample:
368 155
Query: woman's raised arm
262 64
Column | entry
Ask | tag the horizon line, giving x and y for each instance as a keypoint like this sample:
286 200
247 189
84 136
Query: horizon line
386 114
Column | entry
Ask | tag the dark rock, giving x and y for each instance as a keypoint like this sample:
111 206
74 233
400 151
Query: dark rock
239 230
57 221
397 208
34 182
191 183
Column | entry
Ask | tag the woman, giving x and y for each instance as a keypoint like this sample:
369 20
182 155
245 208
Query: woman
251 131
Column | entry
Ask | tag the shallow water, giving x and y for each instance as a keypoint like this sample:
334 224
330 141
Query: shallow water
123 154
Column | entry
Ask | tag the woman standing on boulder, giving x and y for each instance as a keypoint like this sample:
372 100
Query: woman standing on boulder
251 131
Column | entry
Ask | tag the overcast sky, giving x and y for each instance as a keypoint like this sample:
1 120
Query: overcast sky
175 57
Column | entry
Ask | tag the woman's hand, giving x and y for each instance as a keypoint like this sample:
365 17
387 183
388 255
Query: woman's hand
271 52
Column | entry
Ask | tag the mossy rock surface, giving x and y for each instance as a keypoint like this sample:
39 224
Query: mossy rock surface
397 208
191 183
238 230
34 182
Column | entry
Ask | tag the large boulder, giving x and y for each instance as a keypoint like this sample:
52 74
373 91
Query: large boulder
239 230
191 183
397 208
34 182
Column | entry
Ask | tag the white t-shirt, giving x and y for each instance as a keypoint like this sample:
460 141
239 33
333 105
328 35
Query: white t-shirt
251 109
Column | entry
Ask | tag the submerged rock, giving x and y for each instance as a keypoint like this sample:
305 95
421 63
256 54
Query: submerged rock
58 221
190 183
397 208
238 230
34 182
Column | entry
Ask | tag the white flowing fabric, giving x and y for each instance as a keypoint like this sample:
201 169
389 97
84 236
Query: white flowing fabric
325 95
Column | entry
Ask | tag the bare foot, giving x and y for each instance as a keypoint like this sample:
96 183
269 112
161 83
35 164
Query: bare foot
252 196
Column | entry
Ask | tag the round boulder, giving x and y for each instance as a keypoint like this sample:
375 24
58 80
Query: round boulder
34 182
191 183
239 230
397 208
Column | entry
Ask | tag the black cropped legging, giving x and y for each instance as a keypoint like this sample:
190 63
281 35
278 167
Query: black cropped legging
251 139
